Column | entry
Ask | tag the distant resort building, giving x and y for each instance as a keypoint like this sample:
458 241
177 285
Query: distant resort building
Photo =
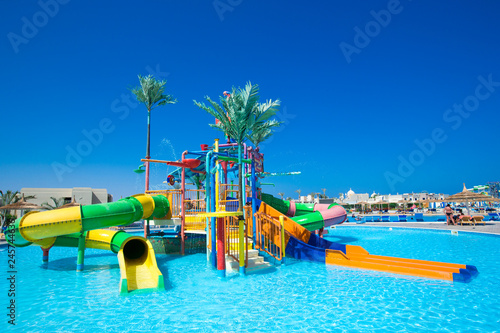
82 195
353 198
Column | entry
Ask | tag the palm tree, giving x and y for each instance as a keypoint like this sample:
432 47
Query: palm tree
281 194
262 132
298 191
151 94
262 129
239 115
56 203
324 193
6 198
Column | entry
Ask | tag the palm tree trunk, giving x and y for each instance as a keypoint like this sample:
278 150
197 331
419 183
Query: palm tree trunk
149 129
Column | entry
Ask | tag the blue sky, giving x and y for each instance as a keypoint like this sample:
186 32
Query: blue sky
381 96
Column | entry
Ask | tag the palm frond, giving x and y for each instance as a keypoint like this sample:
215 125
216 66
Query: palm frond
56 203
151 92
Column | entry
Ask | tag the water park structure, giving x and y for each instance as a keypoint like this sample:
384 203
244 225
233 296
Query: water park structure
267 225
237 225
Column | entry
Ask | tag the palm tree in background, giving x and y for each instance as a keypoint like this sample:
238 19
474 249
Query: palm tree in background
6 198
56 203
239 114
281 194
151 94
324 193
298 191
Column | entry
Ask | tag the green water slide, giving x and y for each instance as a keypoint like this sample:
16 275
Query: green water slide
311 216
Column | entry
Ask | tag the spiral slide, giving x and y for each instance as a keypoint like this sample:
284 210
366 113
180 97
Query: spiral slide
300 243
78 227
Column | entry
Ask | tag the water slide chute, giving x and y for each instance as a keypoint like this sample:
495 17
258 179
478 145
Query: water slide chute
309 215
301 243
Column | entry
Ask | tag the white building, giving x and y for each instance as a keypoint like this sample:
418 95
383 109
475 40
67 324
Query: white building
82 195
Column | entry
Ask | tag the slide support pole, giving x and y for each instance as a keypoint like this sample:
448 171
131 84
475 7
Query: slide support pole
221 260
254 202
282 223
146 189
81 252
207 199
213 220
241 229
183 205
45 257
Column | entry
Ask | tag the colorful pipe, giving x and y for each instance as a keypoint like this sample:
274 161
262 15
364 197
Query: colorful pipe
207 198
183 208
241 229
221 253
146 225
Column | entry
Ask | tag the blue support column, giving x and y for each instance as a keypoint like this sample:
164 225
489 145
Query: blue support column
207 198
212 222
254 197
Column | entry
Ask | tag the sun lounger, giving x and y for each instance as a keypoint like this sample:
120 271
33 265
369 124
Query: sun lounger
419 217
478 219
402 218
494 216
376 219
466 220
386 219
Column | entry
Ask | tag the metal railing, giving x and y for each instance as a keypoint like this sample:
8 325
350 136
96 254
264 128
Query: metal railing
174 200
228 190
269 235
232 234
195 204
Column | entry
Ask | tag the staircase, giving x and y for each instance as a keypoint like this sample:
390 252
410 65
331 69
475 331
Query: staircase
255 263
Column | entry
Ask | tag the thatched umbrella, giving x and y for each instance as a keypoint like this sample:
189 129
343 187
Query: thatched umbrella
21 205
403 202
73 203
363 204
468 196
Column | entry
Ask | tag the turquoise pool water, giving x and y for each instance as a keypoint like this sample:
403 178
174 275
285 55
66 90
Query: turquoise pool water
299 296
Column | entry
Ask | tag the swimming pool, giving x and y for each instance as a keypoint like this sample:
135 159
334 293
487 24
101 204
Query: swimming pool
298 296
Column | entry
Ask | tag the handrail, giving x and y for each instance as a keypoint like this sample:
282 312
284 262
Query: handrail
232 234
269 235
